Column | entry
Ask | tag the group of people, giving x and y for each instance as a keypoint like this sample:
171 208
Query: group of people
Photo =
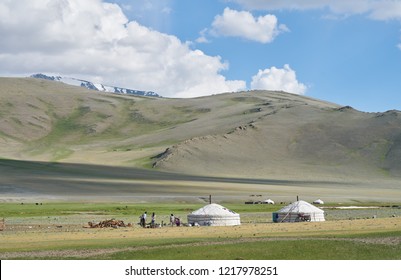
173 220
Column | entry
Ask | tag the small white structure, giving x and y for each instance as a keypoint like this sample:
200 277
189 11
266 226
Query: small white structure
214 215
268 201
299 211
318 201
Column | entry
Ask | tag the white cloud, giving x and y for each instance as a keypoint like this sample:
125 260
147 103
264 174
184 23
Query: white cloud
382 10
93 39
278 79
376 9
386 10
243 24
203 36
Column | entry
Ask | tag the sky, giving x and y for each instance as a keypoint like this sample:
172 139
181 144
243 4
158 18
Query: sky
346 52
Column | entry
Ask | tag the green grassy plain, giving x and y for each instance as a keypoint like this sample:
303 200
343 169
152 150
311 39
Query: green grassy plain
57 231
311 249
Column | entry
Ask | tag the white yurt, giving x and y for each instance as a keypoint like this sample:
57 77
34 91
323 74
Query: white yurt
318 201
299 211
214 215
268 201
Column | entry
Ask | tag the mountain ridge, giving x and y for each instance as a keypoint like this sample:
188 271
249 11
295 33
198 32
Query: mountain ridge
258 134
94 86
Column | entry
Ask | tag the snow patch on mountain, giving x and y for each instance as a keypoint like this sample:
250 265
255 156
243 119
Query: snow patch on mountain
94 86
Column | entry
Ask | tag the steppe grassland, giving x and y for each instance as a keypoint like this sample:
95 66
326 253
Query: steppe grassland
37 234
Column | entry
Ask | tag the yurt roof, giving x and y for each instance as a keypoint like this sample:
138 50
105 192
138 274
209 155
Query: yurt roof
300 207
268 200
214 210
318 201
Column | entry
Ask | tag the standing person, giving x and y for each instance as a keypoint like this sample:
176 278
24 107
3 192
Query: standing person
172 219
152 223
143 219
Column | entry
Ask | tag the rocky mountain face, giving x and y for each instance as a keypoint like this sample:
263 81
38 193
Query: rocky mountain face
94 86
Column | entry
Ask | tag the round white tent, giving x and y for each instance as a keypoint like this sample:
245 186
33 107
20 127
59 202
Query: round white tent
299 211
214 215
268 201
318 201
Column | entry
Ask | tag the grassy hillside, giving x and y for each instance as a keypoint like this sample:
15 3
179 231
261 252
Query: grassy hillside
292 137
274 136
50 121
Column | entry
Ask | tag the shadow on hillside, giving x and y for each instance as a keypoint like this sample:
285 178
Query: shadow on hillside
88 179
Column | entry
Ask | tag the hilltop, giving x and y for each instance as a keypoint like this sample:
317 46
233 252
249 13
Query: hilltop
257 134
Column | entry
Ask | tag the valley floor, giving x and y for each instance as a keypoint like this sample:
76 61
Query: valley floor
59 237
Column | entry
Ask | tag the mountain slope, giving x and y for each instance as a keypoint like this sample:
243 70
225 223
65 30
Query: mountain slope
258 134
297 142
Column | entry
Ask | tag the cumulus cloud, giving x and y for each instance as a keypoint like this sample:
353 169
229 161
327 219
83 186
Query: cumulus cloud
377 9
278 79
382 10
94 40
243 24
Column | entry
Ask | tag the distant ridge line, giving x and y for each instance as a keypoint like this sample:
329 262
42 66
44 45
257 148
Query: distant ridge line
94 86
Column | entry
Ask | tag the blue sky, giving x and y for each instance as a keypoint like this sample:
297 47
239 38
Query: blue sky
348 59
347 52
